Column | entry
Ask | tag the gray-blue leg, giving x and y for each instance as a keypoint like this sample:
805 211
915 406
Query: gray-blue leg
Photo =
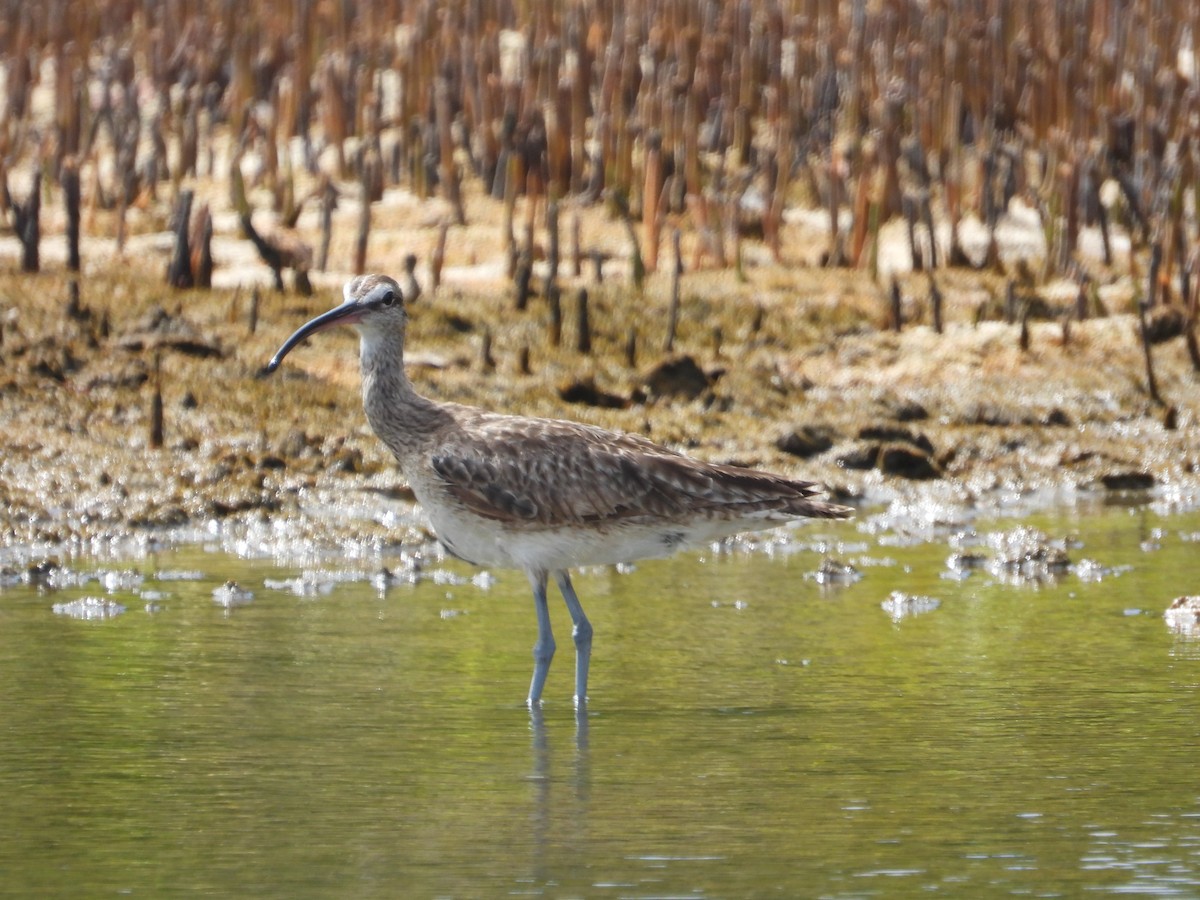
582 634
543 650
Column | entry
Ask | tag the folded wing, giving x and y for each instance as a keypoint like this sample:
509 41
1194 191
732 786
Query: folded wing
550 473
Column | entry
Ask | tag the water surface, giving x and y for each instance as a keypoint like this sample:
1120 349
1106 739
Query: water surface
751 731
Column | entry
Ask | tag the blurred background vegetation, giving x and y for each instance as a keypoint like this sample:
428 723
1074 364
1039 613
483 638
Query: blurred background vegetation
708 116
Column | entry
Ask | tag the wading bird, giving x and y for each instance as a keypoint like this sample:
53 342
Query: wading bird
544 495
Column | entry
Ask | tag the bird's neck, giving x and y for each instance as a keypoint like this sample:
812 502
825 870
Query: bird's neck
403 419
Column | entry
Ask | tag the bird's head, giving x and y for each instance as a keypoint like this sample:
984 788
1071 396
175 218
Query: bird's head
372 303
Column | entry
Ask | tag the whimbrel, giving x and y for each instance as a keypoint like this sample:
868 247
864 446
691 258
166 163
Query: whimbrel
544 495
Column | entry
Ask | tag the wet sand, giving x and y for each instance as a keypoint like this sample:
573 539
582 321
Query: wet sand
788 366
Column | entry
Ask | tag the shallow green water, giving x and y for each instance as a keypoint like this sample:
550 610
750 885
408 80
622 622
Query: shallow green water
751 733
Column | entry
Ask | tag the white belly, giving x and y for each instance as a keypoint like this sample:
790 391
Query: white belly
491 543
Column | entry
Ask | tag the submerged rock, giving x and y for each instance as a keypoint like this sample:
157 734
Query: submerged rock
42 573
965 561
1183 615
410 570
308 584
231 594
833 571
179 575
89 608
123 580
386 578
1026 554
900 605
961 565
1091 570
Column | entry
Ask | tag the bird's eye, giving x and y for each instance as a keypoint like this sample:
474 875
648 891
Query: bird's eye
388 299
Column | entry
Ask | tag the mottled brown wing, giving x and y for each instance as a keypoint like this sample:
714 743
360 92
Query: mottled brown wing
546 472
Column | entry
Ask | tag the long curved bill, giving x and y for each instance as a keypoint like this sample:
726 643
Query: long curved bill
346 314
